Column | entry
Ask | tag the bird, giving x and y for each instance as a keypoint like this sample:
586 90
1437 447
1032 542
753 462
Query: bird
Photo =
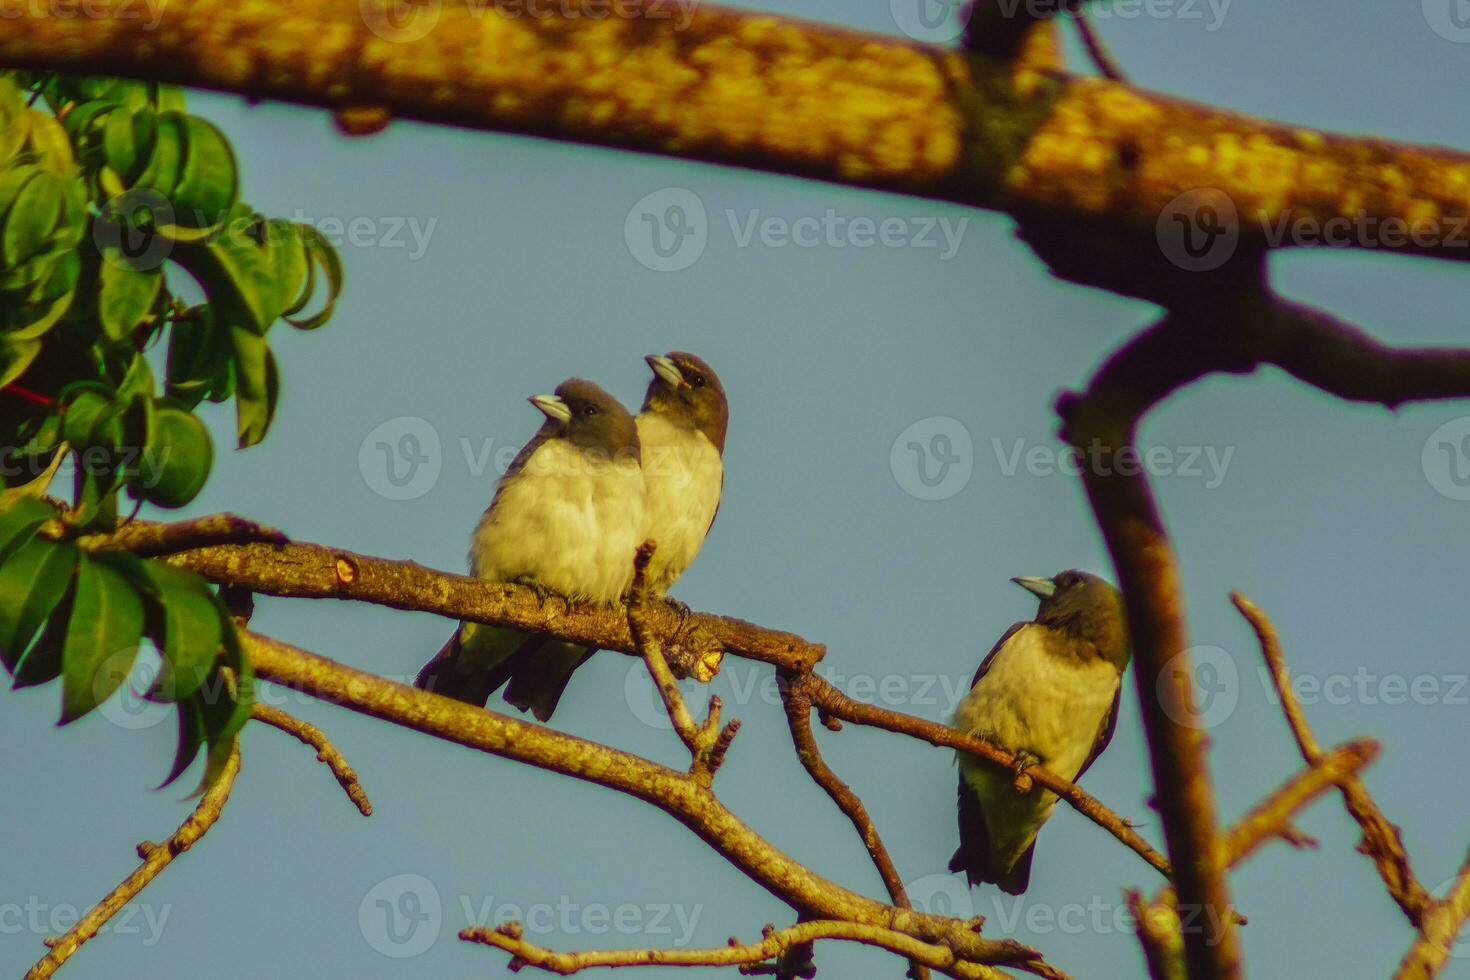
566 518
1048 692
681 427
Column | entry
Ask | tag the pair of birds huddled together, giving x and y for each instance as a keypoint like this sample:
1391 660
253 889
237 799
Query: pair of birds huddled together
595 482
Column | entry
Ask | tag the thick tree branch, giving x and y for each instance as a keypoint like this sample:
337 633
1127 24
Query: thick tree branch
758 91
149 539
1381 841
155 857
774 942
1443 920
682 796
326 752
312 571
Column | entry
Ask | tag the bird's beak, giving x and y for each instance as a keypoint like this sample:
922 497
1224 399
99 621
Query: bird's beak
665 368
552 407
1042 588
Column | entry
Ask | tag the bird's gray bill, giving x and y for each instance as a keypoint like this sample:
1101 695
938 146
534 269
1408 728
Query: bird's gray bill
665 368
1043 588
552 407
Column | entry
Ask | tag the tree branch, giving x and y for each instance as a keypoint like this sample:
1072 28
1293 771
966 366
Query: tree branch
149 539
758 91
326 752
1381 842
680 795
1442 922
155 857
508 936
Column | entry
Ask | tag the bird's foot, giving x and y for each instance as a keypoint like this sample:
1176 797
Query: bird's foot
1024 760
680 607
542 592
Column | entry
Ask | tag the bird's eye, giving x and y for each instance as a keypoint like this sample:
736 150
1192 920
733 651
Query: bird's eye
589 410
697 381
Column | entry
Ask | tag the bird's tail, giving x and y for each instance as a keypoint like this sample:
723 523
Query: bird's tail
539 673
974 856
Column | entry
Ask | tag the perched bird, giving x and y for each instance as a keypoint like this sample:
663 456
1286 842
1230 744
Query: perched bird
567 517
1048 692
682 430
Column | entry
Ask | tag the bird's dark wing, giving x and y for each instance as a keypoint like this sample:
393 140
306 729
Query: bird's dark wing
985 664
973 855
539 672
446 675
1104 734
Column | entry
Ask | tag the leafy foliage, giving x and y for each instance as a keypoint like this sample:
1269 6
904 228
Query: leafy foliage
114 200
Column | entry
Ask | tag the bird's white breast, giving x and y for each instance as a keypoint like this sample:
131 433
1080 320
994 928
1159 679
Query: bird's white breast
566 520
1033 701
683 475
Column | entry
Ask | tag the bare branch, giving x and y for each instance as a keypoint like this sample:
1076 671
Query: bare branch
1097 50
1157 926
155 857
798 707
834 703
313 571
753 90
326 752
681 795
1381 841
149 539
1442 923
1272 816
774 942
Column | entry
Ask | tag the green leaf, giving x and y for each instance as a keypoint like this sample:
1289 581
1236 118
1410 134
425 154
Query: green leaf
19 522
32 217
41 307
125 295
226 714
101 638
161 173
15 357
42 662
192 632
127 142
32 583
191 736
176 459
199 358
252 394
319 252
251 271
208 182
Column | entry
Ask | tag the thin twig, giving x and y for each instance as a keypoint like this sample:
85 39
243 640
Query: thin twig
1381 841
326 752
798 708
1097 48
509 937
1442 923
155 857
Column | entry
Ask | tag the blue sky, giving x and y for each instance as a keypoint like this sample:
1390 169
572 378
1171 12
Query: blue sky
1343 522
